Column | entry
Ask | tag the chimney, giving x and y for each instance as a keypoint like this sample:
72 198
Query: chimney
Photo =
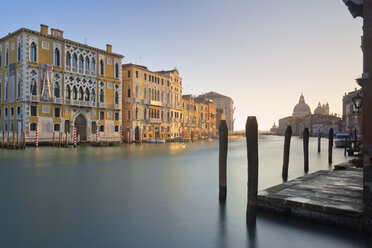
43 29
56 32
109 48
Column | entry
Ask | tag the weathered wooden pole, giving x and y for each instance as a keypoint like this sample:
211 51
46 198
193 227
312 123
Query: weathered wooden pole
306 149
287 144
223 160
251 133
18 140
330 145
14 141
2 144
345 146
54 139
319 140
24 140
8 140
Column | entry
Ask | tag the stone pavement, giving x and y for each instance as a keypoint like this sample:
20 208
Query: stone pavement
326 196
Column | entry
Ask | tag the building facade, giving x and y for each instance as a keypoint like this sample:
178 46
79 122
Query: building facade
51 84
350 115
151 103
226 104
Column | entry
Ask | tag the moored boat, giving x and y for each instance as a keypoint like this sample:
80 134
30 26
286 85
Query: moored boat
340 139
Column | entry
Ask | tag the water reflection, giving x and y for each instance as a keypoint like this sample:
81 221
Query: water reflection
222 232
251 217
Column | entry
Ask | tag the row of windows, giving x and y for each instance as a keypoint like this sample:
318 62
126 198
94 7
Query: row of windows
6 95
57 127
7 55
6 113
151 78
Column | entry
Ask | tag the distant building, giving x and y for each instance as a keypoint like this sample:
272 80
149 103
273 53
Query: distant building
302 117
226 104
350 117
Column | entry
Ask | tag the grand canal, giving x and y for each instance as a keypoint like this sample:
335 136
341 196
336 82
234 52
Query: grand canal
152 195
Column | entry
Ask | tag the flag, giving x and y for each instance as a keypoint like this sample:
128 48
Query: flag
50 68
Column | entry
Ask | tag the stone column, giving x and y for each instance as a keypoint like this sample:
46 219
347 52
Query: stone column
366 115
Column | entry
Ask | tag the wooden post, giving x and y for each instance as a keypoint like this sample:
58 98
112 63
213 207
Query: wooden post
18 140
59 139
67 139
8 140
54 137
306 149
14 140
223 160
319 139
251 134
287 144
2 144
330 145
345 146
24 140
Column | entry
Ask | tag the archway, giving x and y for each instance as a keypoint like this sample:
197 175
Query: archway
157 133
81 127
136 134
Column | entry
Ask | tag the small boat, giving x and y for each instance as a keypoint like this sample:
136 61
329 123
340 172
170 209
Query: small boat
340 139
180 139
155 141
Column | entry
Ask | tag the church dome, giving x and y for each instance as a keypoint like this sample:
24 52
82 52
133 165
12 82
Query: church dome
301 109
318 110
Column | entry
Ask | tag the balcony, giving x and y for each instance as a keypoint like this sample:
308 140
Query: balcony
117 106
81 71
87 72
34 98
68 101
155 120
68 68
155 103
57 100
102 105
92 73
74 69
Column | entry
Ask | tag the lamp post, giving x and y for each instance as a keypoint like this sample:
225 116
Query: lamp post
357 101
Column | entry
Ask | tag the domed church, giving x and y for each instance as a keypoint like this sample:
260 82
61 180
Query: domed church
301 109
302 117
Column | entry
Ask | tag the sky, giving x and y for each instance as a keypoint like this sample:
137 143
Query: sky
263 54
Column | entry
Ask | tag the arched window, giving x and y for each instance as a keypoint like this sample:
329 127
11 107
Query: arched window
87 95
68 92
144 93
136 113
33 52
68 59
101 96
145 114
33 87
56 57
116 97
56 127
81 93
102 128
7 57
74 60
93 96
162 96
94 127
87 64
74 93
19 88
128 92
57 93
136 90
93 65
116 70
101 67
19 52
81 62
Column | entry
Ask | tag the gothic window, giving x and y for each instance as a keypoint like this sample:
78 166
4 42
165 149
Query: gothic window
74 93
116 70
19 88
145 114
101 95
56 90
136 113
74 60
56 127
33 87
81 93
33 52
137 91
94 127
87 95
6 57
144 93
19 52
68 59
116 97
68 92
93 96
81 62
57 57
101 67
87 63
93 65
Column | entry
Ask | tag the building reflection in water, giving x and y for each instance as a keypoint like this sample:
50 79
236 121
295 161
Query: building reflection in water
251 217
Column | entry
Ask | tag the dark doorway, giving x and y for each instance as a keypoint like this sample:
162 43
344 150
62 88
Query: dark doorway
137 134
81 127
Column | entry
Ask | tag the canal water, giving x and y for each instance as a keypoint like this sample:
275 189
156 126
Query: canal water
153 195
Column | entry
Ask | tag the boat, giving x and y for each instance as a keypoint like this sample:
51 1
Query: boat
180 139
155 141
340 139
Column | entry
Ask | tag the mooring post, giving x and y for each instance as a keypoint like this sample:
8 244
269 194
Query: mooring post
17 141
14 141
2 144
306 149
345 146
287 144
8 140
54 139
251 133
223 133
330 145
24 140
319 139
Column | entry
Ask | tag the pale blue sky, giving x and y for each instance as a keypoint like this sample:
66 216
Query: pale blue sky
263 54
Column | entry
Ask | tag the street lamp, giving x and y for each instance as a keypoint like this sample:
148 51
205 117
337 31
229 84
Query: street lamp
357 101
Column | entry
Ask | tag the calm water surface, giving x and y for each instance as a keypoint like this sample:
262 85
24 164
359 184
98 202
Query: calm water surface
152 195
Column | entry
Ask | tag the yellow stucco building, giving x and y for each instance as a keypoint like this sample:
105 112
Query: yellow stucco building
55 84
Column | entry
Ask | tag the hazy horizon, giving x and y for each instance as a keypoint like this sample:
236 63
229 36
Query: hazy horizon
263 54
